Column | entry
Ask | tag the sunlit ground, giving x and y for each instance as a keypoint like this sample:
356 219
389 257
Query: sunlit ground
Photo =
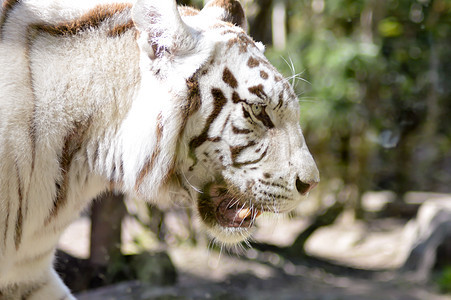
370 245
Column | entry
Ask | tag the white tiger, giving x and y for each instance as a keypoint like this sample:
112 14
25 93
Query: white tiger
146 98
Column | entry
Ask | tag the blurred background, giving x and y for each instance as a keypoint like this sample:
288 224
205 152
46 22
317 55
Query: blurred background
374 84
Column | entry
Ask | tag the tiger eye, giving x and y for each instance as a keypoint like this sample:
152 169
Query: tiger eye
256 109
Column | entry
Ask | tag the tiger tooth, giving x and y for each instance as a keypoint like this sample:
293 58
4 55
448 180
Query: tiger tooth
244 213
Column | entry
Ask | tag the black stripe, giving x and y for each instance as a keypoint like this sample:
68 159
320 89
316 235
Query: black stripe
7 7
236 98
6 223
250 162
268 183
279 104
193 99
236 151
148 166
121 29
228 78
237 130
224 126
218 103
32 124
274 196
91 20
264 118
19 218
72 144
258 90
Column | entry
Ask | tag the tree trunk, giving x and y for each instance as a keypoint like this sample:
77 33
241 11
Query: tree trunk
260 26
107 213
279 35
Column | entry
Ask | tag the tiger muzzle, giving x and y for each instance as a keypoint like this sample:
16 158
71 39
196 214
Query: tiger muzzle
227 210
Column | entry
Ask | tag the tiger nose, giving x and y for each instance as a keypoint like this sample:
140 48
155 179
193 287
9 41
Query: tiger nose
304 187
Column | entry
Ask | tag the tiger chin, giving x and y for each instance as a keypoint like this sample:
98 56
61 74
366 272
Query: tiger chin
146 98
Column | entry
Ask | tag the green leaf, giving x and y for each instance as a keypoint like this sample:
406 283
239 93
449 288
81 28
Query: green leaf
390 27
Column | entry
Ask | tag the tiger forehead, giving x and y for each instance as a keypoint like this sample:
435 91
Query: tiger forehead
281 96
271 81
266 69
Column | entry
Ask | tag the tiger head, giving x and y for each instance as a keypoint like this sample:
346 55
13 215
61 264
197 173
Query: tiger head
240 150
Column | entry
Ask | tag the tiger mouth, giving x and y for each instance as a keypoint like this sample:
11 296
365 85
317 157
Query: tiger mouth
220 207
234 215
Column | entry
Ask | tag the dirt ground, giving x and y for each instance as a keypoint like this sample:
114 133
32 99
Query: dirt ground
267 276
208 274
278 286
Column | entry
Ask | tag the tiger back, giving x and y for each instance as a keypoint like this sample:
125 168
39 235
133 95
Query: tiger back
149 99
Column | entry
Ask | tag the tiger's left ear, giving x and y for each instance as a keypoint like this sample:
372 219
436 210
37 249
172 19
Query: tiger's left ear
228 11
162 30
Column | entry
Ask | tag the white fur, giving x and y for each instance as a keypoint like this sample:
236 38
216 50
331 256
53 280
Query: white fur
113 106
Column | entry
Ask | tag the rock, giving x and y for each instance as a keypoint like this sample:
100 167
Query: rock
134 290
373 201
376 245
154 268
421 197
77 273
384 203
429 230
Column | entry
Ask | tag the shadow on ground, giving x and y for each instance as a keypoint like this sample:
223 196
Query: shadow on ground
311 278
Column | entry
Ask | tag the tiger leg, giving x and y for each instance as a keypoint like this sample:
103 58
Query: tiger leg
52 287
48 287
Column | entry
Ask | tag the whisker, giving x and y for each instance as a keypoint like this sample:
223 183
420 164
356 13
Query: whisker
180 199
293 70
248 244
294 75
220 253
210 250
298 77
308 99
250 239
192 186
239 248
254 214
210 246
234 203
290 66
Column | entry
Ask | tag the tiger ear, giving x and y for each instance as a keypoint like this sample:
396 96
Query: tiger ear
227 10
161 28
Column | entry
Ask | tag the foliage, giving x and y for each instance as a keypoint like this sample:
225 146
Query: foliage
444 280
376 111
